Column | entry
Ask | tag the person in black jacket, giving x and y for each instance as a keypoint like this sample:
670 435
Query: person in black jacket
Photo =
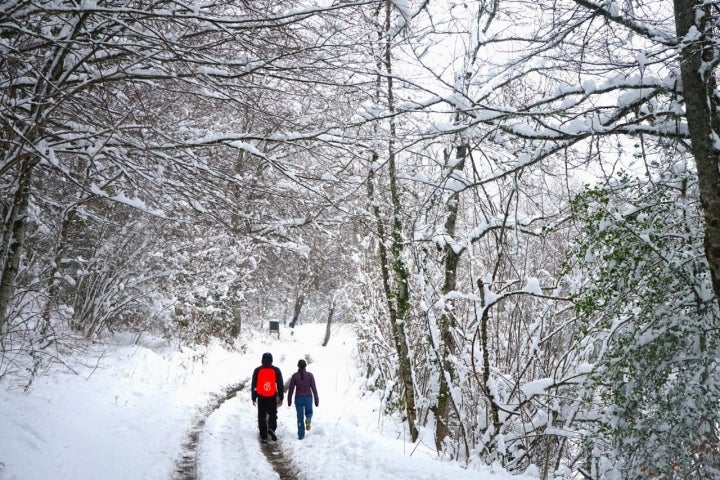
267 392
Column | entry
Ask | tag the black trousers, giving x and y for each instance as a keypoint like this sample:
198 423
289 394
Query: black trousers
267 415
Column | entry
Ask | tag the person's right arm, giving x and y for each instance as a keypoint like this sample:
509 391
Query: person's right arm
291 389
253 384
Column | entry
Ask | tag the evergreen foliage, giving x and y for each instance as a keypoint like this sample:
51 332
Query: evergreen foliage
650 314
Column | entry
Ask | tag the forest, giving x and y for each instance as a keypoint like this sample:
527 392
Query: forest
516 204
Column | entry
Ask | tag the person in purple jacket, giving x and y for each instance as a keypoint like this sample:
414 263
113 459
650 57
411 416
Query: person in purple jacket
306 393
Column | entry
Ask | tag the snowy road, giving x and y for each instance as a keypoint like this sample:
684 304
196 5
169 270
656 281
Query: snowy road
228 447
349 439
146 402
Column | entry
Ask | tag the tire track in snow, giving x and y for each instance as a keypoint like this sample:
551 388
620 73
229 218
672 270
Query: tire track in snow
279 461
187 465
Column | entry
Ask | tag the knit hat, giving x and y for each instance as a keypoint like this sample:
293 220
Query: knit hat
267 358
302 364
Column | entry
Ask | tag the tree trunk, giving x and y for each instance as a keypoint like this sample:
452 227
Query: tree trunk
394 272
237 322
302 286
397 303
329 324
697 69
399 310
485 319
299 301
54 274
13 239
446 322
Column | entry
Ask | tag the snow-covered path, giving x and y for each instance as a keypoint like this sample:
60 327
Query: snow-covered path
343 443
128 417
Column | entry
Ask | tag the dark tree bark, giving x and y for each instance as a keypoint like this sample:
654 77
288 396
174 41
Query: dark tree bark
394 278
13 239
53 276
698 63
326 340
446 322
400 308
297 308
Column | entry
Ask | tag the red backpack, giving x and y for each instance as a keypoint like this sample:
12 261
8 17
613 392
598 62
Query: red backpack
266 382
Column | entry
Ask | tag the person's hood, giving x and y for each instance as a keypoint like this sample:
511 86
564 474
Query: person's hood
267 359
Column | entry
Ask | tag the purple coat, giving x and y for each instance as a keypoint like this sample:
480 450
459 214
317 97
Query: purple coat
304 382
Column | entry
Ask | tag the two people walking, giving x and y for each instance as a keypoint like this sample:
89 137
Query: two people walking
267 393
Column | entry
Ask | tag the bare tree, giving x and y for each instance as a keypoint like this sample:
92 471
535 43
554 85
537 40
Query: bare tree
122 110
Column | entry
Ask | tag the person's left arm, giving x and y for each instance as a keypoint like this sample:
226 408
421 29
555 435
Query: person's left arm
280 385
314 390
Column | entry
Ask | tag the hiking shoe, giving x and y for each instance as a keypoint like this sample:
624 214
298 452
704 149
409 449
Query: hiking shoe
263 440
272 435
307 424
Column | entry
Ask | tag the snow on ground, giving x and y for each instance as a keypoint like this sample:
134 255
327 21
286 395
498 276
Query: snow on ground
126 416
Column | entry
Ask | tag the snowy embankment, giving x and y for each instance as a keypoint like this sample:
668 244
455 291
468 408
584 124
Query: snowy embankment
125 415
